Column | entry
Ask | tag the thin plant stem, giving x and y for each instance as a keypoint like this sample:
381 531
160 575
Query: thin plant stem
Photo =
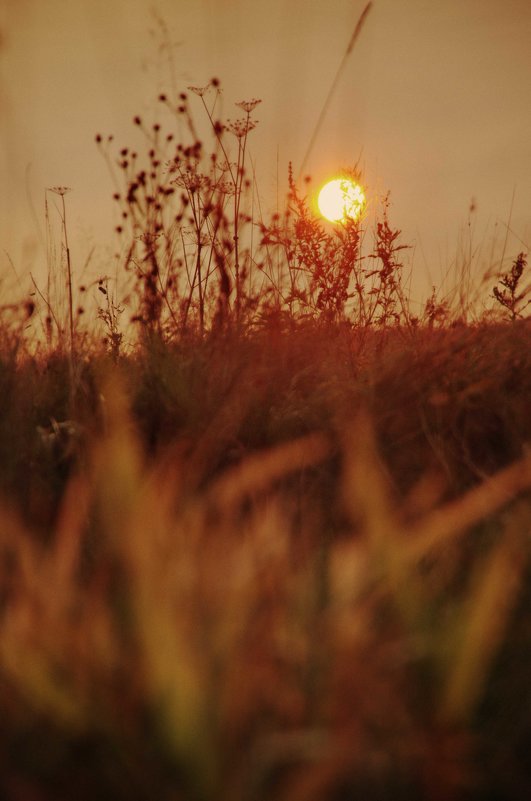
69 278
324 109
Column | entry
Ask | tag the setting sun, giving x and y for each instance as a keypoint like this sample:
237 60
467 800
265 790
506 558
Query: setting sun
340 199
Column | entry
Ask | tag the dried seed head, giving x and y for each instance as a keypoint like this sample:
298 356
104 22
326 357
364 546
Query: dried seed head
241 128
199 90
248 105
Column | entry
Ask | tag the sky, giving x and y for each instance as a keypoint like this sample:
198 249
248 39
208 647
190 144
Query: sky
434 102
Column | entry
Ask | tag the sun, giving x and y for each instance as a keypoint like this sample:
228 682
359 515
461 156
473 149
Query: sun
341 199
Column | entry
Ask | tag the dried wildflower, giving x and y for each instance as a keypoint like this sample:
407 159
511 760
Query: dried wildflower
192 181
248 105
225 187
199 90
241 128
59 190
148 238
133 187
225 166
171 165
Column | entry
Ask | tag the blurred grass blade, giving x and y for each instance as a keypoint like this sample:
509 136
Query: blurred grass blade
366 488
492 598
450 521
260 471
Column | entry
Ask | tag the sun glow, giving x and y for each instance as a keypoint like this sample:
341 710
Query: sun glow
341 199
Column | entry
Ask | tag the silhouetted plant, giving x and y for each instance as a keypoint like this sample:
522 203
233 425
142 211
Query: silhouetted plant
436 312
185 216
110 314
57 295
325 272
509 292
386 298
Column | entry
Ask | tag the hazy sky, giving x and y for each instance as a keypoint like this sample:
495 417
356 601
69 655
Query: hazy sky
436 98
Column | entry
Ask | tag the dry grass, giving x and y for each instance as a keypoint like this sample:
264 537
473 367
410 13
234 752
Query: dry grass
222 638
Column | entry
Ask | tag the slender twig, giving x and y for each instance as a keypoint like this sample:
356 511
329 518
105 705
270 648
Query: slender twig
506 240
69 277
322 115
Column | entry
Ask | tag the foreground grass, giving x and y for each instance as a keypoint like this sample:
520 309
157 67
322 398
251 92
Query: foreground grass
291 565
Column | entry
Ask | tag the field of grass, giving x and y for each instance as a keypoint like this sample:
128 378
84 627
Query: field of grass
275 543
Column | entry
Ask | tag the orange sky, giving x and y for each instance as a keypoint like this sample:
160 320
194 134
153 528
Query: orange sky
436 97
